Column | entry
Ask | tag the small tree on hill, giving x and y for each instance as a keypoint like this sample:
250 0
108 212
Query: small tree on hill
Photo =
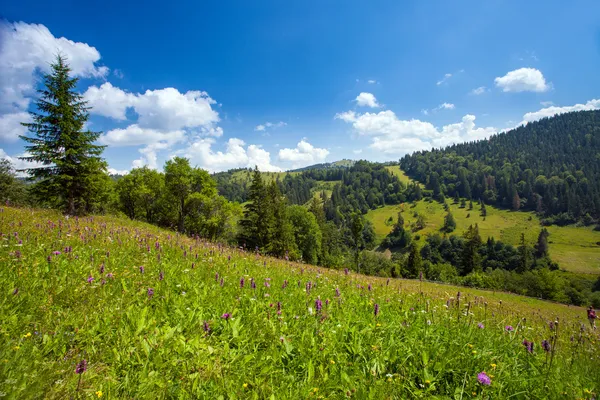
69 159
449 223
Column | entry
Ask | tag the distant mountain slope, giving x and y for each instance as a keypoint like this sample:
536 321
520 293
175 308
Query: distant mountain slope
345 163
551 166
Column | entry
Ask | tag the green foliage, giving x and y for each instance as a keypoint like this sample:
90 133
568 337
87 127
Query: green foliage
449 223
12 191
71 168
549 166
307 233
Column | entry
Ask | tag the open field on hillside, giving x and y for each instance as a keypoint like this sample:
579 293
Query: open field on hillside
576 249
396 171
104 307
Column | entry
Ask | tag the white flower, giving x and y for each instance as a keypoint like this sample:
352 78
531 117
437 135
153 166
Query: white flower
310 310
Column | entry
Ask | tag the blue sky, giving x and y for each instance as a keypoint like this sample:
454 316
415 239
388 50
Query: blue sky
287 84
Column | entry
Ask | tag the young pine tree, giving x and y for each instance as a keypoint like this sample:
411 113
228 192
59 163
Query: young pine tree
70 161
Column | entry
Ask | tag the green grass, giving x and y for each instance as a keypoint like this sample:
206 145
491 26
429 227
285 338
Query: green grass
395 170
574 248
144 344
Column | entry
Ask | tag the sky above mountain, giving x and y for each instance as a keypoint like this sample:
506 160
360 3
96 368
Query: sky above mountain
288 84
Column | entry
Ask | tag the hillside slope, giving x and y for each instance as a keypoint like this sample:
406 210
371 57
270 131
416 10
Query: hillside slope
551 166
101 306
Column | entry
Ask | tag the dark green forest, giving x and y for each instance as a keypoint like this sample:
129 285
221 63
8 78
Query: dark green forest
551 166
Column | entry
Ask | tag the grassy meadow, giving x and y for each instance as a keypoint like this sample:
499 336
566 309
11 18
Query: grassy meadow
102 307
576 249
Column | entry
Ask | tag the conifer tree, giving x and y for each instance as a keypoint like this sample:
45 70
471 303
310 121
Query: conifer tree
70 161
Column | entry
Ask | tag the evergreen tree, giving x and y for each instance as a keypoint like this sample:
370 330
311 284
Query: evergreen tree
541 247
449 222
471 260
282 239
524 255
257 222
414 262
357 225
70 160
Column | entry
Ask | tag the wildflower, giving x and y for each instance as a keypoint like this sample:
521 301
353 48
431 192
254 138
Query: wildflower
99 393
376 309
206 327
222 282
318 305
278 306
370 287
346 271
16 291
28 334
226 316
217 277
56 253
509 328
161 276
493 365
81 367
528 345
242 283
546 345
480 325
150 292
110 275
267 284
90 279
331 362
141 269
484 379
245 385
337 292
428 382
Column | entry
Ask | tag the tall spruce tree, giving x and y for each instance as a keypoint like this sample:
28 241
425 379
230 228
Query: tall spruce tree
258 215
66 151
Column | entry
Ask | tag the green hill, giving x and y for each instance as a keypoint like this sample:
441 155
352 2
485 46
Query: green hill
104 307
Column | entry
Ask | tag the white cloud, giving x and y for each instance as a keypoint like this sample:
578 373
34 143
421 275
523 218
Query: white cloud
479 90
118 73
236 155
26 49
523 80
547 103
445 106
164 109
18 164
303 154
10 126
554 110
366 100
394 136
113 171
263 127
372 81
425 111
444 79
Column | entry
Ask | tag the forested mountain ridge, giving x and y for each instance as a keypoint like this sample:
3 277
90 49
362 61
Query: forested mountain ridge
551 166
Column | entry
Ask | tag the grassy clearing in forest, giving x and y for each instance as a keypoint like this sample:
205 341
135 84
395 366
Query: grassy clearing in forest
158 315
576 249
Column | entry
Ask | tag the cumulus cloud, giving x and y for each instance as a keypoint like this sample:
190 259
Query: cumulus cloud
479 90
554 110
391 135
372 81
366 100
26 49
303 154
445 106
10 126
236 155
19 164
113 171
266 125
523 80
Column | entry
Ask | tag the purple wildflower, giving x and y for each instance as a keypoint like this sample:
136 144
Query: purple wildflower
81 367
102 268
326 302
285 284
141 269
370 287
278 306
528 345
376 309
56 253
346 271
90 279
252 283
16 291
222 282
480 325
206 327
110 275
226 316
150 292
161 276
484 379
337 292
546 345
318 305
509 328
242 283
267 284
217 277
